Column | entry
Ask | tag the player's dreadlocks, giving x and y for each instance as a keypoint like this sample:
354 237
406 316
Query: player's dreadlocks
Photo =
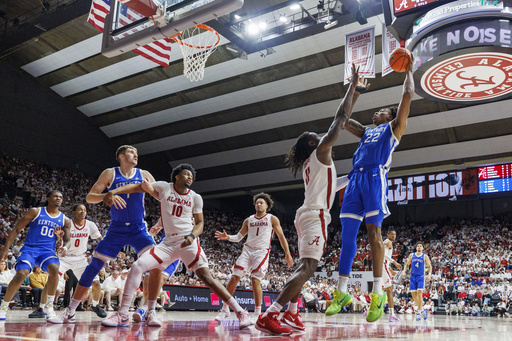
299 153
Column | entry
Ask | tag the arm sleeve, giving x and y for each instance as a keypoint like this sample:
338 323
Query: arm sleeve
235 238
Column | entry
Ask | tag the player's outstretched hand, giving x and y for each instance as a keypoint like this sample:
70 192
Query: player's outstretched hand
288 260
58 232
61 252
221 235
354 79
398 266
111 199
404 275
362 85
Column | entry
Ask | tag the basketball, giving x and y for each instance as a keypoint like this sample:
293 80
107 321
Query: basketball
398 60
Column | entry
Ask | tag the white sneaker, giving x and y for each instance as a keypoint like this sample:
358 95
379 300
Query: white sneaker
140 315
117 320
3 312
222 315
151 319
67 316
244 318
51 316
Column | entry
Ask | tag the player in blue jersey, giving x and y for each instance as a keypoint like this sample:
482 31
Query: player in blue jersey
366 194
418 262
127 226
46 226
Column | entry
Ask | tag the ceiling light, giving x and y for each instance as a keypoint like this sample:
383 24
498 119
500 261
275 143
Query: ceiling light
283 18
253 29
262 25
294 7
237 17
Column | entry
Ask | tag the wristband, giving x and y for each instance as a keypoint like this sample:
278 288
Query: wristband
361 89
190 235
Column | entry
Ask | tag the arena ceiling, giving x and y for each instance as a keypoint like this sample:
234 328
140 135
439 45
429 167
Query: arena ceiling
236 125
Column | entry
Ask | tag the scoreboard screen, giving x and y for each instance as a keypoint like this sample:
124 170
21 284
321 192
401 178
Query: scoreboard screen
495 172
495 186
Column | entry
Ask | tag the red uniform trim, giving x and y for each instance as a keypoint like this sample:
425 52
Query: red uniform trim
329 187
262 262
197 254
322 221
152 253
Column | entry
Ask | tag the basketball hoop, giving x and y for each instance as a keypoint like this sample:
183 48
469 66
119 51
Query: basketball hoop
197 44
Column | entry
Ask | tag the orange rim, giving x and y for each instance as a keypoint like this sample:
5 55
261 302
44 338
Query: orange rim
204 27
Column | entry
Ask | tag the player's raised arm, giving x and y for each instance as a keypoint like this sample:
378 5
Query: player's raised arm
343 113
399 124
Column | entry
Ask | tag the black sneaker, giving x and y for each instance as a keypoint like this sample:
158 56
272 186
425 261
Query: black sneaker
100 312
80 307
38 313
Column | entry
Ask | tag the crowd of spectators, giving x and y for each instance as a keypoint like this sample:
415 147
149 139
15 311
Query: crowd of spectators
471 258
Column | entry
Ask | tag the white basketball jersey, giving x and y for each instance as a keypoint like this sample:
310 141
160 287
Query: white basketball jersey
79 236
319 184
177 210
260 232
388 252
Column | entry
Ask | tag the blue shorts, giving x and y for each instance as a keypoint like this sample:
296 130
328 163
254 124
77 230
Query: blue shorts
366 196
417 283
120 235
30 256
171 269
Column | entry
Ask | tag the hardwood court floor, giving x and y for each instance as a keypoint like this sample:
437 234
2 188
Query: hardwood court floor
202 326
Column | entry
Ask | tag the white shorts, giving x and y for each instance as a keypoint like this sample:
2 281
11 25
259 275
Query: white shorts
311 228
254 261
387 278
75 263
165 253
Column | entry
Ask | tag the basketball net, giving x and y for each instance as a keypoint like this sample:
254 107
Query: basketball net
197 44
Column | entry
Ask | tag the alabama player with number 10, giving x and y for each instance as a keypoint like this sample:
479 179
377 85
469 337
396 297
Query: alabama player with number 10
46 226
313 155
179 206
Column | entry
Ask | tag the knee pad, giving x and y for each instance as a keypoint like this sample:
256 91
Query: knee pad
90 272
350 227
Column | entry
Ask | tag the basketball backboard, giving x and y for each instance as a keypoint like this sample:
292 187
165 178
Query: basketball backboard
126 30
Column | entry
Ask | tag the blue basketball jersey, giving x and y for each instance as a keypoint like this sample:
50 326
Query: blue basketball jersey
41 230
375 148
418 265
134 210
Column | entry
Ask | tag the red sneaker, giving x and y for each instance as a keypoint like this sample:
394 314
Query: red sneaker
292 320
270 324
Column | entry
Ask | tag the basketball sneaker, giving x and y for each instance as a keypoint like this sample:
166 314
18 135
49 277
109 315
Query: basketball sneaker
418 317
140 315
99 311
270 324
3 312
376 307
152 320
67 316
38 313
424 314
340 300
292 320
393 318
244 318
222 315
51 316
117 320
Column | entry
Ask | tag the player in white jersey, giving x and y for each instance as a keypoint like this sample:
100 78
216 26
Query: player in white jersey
313 155
259 228
72 255
182 218
388 274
